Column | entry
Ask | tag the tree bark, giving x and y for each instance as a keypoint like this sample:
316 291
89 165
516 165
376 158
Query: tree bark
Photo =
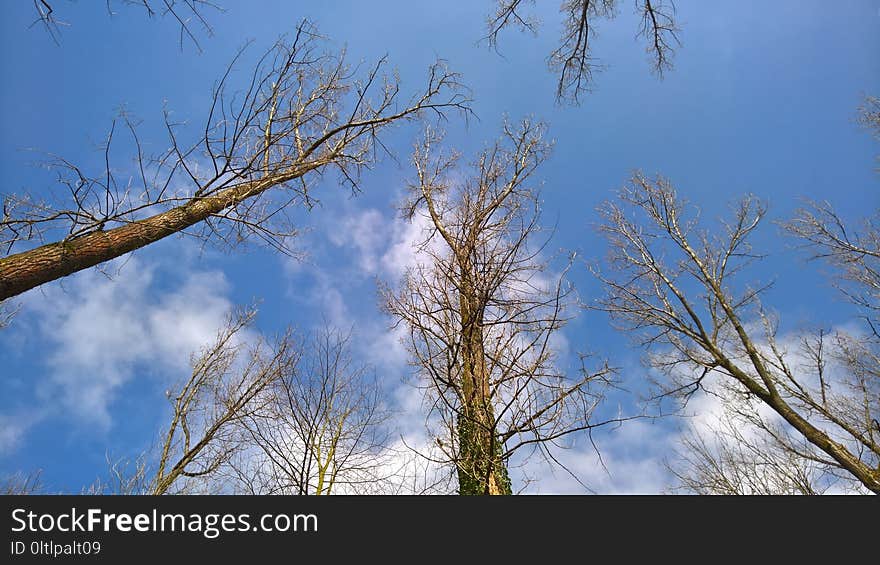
29 269
481 469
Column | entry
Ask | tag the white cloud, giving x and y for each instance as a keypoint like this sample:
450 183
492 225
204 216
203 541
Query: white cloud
379 245
100 333
327 297
383 346
383 244
365 231
630 460
402 252
189 318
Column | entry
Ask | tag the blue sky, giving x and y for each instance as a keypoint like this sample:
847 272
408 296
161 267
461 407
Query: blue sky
762 100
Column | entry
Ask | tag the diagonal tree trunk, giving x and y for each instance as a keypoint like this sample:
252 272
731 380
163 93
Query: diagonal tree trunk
26 270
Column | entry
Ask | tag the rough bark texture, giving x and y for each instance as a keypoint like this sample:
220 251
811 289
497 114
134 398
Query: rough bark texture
481 470
26 270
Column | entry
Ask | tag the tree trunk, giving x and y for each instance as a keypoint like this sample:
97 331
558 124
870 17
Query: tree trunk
29 269
481 470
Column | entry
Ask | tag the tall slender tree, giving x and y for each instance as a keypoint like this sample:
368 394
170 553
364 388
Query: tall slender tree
573 61
482 311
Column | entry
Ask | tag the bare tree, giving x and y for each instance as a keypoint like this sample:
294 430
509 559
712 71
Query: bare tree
225 388
189 14
482 312
321 428
746 448
573 60
265 418
679 287
302 113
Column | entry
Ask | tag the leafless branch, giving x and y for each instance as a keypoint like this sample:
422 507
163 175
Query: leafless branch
226 387
678 287
853 252
190 15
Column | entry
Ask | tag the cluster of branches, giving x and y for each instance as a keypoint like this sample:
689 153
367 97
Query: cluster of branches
303 112
727 460
255 416
869 115
801 412
678 285
481 310
189 14
21 483
573 60
227 384
322 430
